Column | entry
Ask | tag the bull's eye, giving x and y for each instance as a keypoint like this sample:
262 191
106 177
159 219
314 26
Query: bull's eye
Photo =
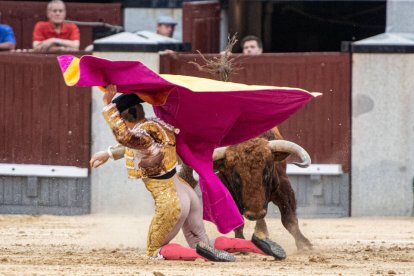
236 177
268 181
266 175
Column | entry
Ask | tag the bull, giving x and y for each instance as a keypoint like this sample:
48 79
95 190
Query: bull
255 174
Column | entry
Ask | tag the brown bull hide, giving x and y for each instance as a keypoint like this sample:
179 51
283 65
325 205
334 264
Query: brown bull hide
254 176
246 183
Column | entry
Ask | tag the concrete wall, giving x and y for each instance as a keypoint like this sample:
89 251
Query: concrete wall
382 134
400 17
44 195
318 196
111 190
145 19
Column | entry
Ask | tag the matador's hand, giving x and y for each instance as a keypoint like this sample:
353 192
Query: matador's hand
109 94
99 158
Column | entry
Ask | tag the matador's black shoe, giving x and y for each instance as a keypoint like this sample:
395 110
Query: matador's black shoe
213 254
269 247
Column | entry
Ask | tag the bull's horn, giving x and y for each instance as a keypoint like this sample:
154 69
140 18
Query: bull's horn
219 153
287 146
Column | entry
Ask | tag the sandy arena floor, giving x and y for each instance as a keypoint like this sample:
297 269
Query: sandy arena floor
94 245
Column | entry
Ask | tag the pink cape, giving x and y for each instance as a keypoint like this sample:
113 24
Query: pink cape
207 119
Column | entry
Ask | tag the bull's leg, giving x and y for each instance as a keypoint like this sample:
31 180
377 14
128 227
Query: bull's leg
186 173
238 232
260 230
284 198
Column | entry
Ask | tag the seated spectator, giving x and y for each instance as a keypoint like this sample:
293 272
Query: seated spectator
252 45
166 25
55 35
7 40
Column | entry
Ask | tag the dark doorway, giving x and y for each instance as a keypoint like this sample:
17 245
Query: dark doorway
321 26
307 26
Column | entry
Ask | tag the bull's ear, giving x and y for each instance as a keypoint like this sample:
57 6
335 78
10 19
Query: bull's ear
218 165
280 155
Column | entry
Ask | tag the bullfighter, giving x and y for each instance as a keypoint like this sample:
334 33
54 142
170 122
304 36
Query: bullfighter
149 149
226 113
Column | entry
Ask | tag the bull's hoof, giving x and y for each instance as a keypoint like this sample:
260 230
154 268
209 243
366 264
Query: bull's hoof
304 245
213 254
269 247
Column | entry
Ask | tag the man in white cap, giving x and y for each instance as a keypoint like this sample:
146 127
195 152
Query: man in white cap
166 25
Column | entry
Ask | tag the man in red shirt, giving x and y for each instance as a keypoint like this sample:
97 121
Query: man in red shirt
55 35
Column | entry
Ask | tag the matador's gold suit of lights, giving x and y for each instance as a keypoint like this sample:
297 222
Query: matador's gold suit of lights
149 151
167 212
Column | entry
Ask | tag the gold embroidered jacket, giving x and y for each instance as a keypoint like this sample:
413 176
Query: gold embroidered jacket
149 147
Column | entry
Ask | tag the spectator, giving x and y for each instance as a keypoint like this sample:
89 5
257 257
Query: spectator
252 45
7 40
55 35
166 25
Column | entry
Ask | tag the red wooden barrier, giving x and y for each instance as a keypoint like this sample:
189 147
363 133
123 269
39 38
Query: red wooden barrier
42 121
323 126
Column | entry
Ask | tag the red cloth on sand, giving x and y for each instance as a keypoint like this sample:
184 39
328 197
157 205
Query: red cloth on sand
233 245
176 252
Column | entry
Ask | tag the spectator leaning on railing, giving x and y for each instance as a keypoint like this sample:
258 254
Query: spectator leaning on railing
7 40
252 45
55 35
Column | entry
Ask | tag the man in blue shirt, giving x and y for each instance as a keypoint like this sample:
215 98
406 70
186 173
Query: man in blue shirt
7 40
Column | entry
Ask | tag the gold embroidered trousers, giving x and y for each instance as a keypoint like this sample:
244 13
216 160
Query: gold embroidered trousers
167 212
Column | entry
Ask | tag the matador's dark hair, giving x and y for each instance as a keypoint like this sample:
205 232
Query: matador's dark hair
129 105
133 114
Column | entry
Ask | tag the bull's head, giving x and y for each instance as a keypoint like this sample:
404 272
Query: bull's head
249 171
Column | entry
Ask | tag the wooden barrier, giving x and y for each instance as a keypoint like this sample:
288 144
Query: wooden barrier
323 126
42 120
